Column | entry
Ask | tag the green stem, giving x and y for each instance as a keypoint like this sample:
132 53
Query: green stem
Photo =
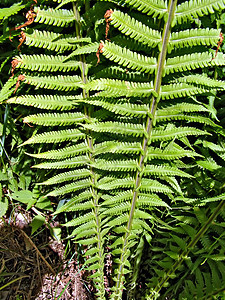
149 124
89 140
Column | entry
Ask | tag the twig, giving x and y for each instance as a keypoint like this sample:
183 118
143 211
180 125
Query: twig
39 253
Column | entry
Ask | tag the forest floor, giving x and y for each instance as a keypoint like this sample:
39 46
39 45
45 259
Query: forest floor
34 267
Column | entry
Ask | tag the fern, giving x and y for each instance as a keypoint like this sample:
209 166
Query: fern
130 138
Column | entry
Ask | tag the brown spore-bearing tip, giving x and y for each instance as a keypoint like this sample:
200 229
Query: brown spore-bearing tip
14 63
19 79
101 45
107 17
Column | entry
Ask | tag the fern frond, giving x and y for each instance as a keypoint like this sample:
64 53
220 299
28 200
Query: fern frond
61 83
42 62
115 165
51 102
125 109
71 187
196 119
135 29
154 186
64 152
55 136
171 154
67 176
197 8
169 134
7 89
120 197
180 90
63 164
108 183
194 37
50 16
6 12
51 40
165 170
203 80
149 200
128 58
55 119
156 8
117 128
90 48
80 220
179 108
83 196
117 209
116 147
193 61
120 88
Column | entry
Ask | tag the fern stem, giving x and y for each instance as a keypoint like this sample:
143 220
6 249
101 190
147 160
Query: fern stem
190 246
146 140
89 140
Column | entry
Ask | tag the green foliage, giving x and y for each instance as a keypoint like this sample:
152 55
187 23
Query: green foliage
130 144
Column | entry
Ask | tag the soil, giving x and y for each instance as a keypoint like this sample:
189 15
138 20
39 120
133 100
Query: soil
33 267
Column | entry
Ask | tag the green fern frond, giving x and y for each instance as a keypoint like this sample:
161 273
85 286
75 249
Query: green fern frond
120 88
202 80
80 220
55 136
169 134
154 186
44 62
51 102
83 196
171 154
149 200
116 222
83 206
64 152
117 128
194 37
156 8
128 58
201 201
115 165
117 209
108 183
7 89
162 170
196 119
135 29
12 10
125 109
51 16
180 90
50 40
189 10
71 187
120 197
67 176
193 61
116 147
55 119
90 48
60 82
179 108
63 164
